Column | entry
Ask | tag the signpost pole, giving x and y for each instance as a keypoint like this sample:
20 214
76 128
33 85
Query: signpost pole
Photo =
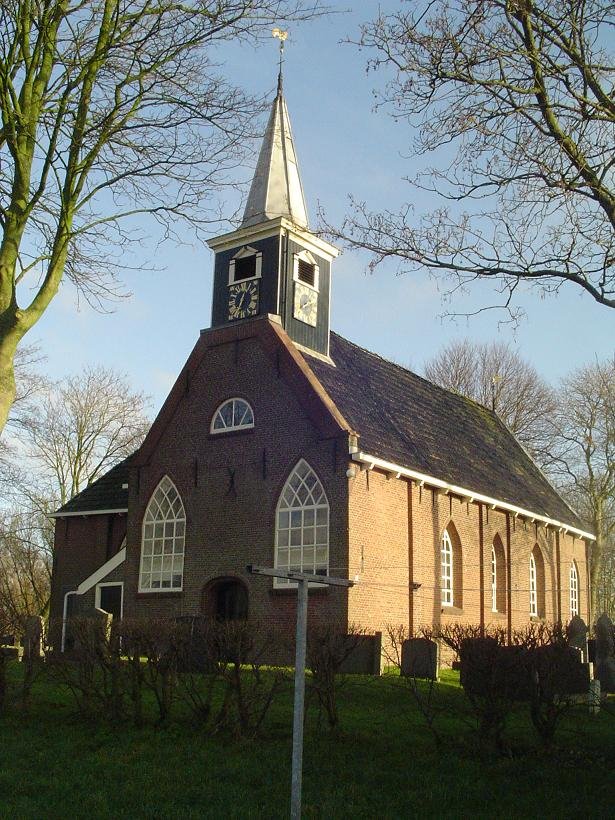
300 649
302 579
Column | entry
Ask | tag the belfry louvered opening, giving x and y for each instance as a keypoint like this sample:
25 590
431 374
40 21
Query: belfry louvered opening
306 272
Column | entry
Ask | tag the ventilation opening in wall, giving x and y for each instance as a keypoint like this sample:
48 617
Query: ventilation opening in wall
306 272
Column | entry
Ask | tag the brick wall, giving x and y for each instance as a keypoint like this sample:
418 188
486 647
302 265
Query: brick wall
395 538
230 485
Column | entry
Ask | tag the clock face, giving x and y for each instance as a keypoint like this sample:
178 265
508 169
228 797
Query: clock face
243 300
306 304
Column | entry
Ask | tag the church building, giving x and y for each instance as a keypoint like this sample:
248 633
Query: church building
282 444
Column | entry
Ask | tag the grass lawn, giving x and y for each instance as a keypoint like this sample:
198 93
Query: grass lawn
382 763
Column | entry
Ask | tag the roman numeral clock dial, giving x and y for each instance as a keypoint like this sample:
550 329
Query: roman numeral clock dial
243 300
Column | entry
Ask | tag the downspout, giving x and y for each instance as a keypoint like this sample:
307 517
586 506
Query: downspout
558 578
481 564
65 617
508 580
411 585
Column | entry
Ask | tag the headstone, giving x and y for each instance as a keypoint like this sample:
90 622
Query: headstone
560 670
420 658
605 653
33 639
90 628
577 635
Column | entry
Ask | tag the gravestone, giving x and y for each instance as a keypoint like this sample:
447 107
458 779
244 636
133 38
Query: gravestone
605 653
576 633
560 670
33 639
420 658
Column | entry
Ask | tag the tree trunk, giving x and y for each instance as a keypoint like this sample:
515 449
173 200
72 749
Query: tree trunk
8 346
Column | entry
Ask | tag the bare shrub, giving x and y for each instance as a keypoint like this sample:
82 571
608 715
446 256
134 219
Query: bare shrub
424 692
92 671
549 661
149 645
329 646
239 648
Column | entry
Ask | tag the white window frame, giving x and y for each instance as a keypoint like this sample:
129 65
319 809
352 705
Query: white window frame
283 507
306 256
494 580
181 520
221 430
109 584
533 587
244 253
574 590
446 569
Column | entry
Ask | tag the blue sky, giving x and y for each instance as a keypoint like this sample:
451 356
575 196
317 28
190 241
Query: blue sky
343 147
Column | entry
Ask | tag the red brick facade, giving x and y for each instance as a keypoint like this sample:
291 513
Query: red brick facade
384 530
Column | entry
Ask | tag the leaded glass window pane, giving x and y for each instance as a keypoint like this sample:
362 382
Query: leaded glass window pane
302 525
162 547
234 414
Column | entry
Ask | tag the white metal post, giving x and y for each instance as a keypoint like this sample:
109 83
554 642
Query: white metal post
301 641
303 579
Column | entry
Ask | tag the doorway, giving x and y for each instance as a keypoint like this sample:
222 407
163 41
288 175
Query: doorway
226 599
110 598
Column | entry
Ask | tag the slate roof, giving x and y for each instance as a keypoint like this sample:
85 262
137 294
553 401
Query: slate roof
106 493
407 420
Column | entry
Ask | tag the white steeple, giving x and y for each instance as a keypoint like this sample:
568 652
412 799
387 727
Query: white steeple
276 188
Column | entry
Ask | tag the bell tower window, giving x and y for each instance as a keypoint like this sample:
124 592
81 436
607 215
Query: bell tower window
305 269
245 265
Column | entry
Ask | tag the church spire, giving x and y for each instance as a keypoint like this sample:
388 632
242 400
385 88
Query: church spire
276 188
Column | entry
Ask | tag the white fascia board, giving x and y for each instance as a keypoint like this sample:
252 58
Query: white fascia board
87 512
102 572
389 467
272 228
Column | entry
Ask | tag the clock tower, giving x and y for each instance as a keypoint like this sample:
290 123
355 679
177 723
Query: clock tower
273 264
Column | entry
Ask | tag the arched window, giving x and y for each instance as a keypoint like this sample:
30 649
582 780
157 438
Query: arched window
494 581
450 567
162 546
447 569
302 525
537 584
498 576
234 414
574 590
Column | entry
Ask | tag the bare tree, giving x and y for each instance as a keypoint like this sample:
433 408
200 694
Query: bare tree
68 436
82 427
26 552
516 99
495 375
110 109
585 464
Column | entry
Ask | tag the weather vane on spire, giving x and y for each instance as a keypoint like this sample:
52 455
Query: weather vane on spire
281 35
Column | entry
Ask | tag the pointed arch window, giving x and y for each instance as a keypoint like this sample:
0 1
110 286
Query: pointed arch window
494 581
498 576
233 414
574 590
162 544
302 525
451 568
447 569
537 584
